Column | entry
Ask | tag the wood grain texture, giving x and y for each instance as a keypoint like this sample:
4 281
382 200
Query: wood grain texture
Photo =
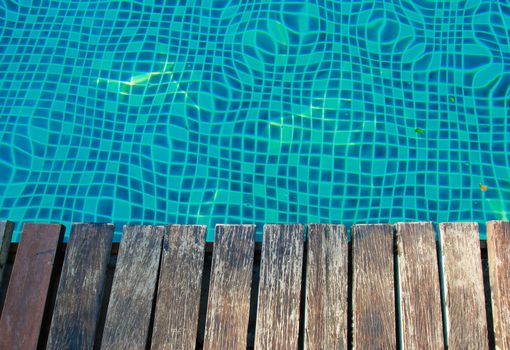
326 287
463 288
228 307
6 228
420 293
27 294
373 290
180 279
129 309
277 324
80 291
498 251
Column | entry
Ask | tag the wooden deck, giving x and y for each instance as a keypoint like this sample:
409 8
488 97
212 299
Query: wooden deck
402 286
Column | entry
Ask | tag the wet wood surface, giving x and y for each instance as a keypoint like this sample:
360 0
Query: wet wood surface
464 293
27 295
420 293
498 251
277 325
80 290
228 306
6 228
176 318
373 292
129 309
326 287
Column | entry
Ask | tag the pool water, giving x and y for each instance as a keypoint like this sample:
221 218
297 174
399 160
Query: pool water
206 112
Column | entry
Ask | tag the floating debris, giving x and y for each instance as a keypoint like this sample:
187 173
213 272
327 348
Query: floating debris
419 131
483 187
452 99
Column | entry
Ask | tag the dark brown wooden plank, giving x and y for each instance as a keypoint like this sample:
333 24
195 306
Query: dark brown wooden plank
180 279
464 293
326 287
6 228
420 298
80 291
373 290
27 295
277 324
498 251
134 283
229 292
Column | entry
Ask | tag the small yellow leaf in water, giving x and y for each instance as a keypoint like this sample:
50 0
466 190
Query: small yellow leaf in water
452 99
419 131
483 187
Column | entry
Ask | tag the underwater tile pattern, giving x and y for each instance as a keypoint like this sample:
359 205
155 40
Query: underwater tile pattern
205 112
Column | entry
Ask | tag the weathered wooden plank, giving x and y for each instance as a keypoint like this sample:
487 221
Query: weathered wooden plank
27 295
180 279
228 307
373 290
464 293
326 287
498 251
80 291
277 324
129 309
6 228
420 298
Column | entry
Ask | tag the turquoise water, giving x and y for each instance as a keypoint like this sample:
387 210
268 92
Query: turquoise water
254 112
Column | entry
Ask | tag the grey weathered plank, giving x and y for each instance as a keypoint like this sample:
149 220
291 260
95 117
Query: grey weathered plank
326 287
27 295
129 309
420 298
277 324
464 293
373 291
229 289
6 228
180 279
498 251
80 291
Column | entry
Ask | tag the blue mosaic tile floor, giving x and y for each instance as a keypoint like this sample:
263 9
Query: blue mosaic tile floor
254 112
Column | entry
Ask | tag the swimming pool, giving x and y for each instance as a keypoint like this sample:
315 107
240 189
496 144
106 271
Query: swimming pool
254 112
